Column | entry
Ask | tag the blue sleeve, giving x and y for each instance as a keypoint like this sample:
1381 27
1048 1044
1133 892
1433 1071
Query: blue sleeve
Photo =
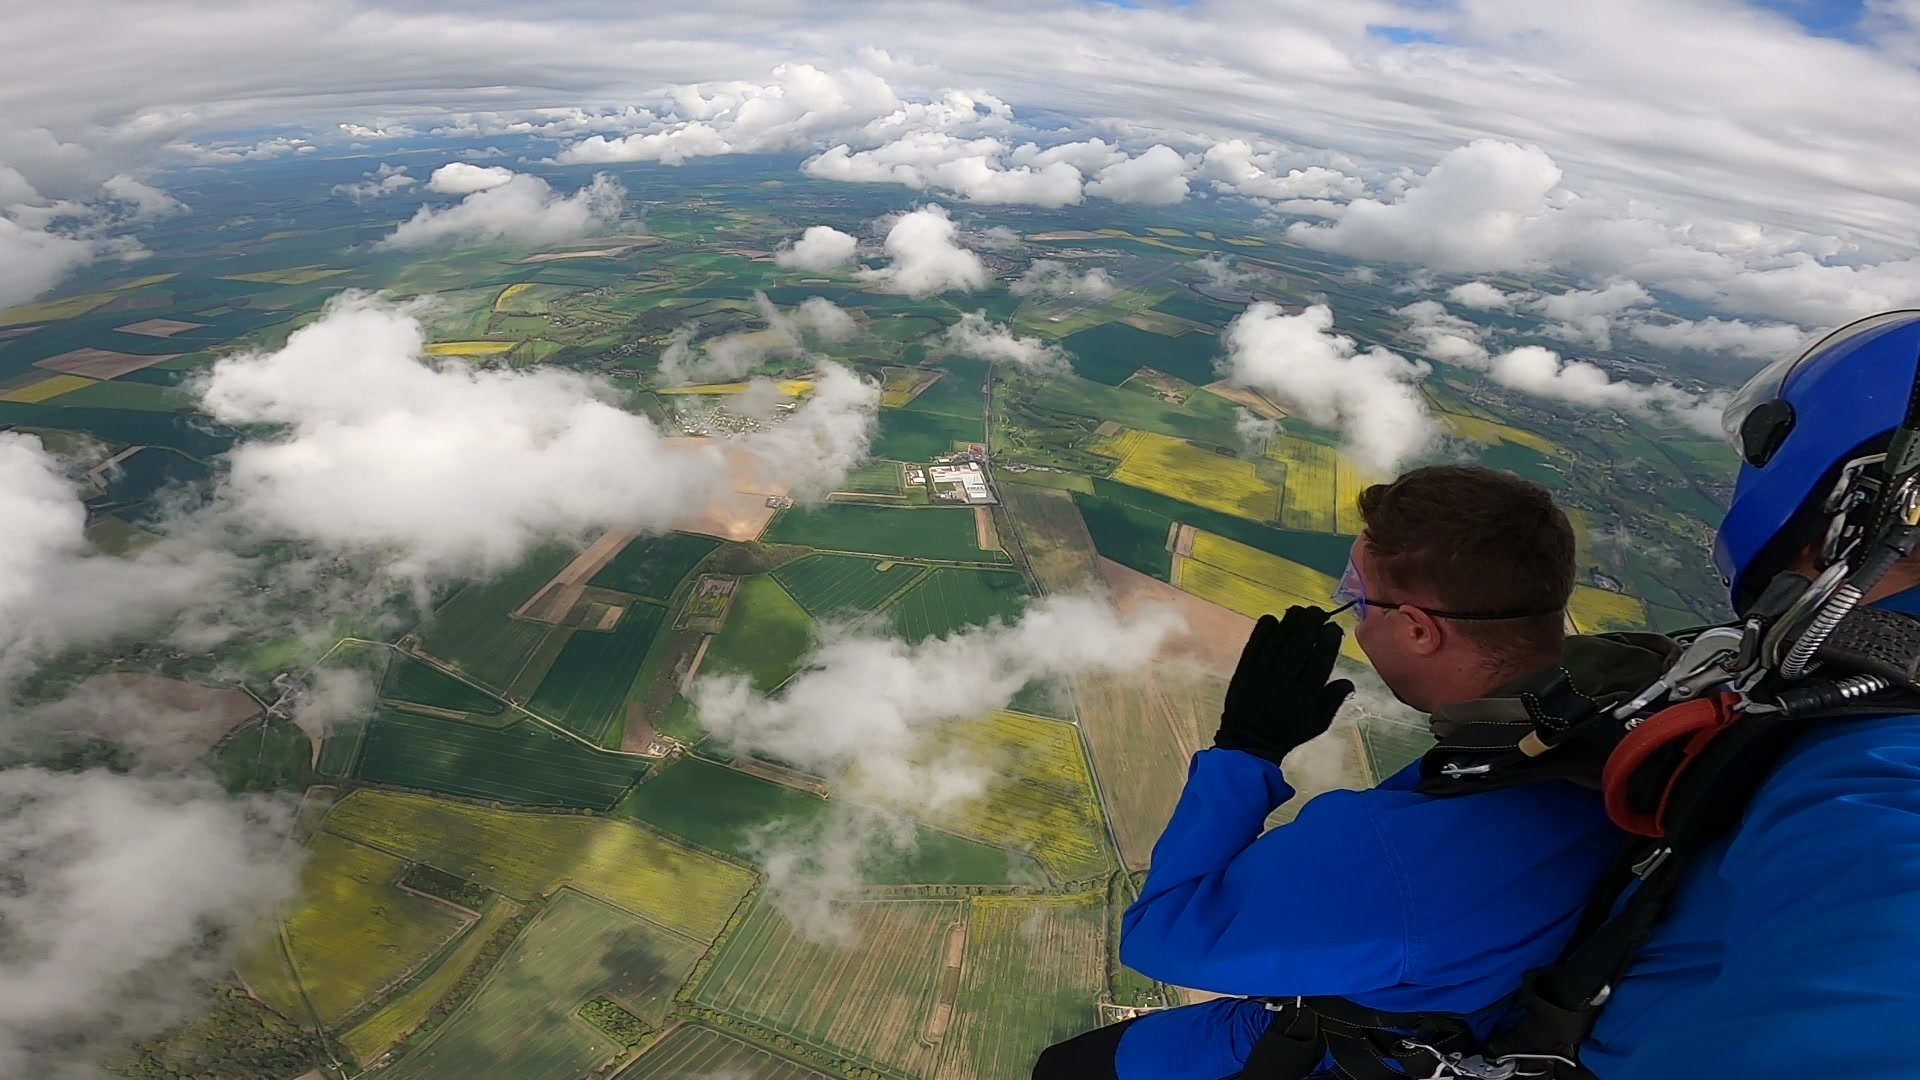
1207 1041
1820 974
1314 907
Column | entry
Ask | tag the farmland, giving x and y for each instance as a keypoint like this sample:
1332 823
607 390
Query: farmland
1060 551
765 635
526 763
1041 798
1265 577
944 533
1033 971
1181 470
519 1022
412 681
1595 611
693 1051
410 1008
720 808
475 631
529 855
585 690
351 932
1132 537
951 599
870 995
651 566
912 435
1141 728
1310 483
844 586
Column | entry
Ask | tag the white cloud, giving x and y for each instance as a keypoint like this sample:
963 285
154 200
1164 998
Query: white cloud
1760 341
524 210
36 261
788 333
1221 273
821 248
460 178
149 202
971 169
975 336
1480 296
1048 277
926 257
1235 167
125 889
867 712
1158 177
385 180
442 468
1373 398
1543 372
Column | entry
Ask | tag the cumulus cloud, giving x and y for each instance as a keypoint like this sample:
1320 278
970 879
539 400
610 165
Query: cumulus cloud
972 169
1759 341
92 961
1481 296
867 712
523 210
1372 398
460 178
815 320
821 248
1048 277
1220 272
1158 177
37 260
1254 430
148 202
1234 167
440 468
975 336
926 258
385 180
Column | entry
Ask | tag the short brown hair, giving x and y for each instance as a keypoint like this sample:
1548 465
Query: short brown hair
1478 540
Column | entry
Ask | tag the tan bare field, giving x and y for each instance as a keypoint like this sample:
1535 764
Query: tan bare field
555 599
1214 634
1065 234
167 721
1108 429
984 534
693 667
639 735
1054 536
779 774
1240 395
100 363
162 328
1141 728
942 1015
610 618
1183 541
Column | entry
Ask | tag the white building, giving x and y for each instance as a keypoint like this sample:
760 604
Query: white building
969 477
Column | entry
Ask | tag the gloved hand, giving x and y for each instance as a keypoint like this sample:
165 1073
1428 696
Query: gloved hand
1280 696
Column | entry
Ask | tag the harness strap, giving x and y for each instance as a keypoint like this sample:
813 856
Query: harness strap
1363 1043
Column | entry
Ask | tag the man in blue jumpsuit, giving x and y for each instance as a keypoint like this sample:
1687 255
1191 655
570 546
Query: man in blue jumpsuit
1792 948
1398 901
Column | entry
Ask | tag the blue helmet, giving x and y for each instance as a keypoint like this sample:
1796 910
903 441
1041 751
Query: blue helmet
1796 424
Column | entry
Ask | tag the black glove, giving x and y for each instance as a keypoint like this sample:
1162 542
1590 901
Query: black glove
1280 696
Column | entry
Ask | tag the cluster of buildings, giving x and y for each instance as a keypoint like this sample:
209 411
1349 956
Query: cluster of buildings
958 477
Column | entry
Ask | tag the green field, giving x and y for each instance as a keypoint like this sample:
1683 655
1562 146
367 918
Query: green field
956 393
931 533
525 764
693 1051
585 690
951 599
475 631
719 808
1325 552
652 565
874 478
765 635
1129 536
843 586
351 933
1034 969
520 1023
870 996
910 435
1110 352
528 855
411 1007
410 680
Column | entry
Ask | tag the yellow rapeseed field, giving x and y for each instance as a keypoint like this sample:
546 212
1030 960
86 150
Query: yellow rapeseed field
509 293
1488 433
787 387
1350 480
1117 445
1597 610
1041 800
1253 582
299 275
899 383
48 388
54 310
369 1038
526 855
471 348
353 931
1181 470
1310 485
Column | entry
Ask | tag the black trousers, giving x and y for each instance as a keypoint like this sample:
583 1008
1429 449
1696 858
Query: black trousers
1084 1057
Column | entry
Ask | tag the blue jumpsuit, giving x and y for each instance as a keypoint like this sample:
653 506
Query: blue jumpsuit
1793 947
1400 901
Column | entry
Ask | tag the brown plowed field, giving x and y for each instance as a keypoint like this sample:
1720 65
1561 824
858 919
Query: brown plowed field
100 363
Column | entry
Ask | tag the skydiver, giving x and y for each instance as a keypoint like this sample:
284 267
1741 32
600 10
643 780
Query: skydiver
1395 901
1792 947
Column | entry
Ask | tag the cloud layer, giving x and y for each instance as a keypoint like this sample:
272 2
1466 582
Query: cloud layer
519 209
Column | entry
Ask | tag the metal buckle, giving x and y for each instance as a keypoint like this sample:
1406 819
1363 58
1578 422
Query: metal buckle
1700 665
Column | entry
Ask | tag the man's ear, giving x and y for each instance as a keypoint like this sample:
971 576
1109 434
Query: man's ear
1423 632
